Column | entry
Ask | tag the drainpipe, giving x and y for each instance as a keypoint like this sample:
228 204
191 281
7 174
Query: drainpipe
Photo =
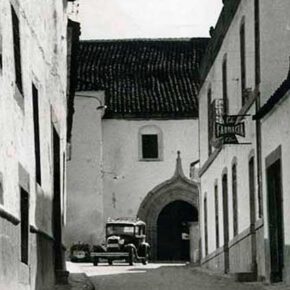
258 136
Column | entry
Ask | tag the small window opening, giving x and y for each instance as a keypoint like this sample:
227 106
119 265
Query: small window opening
150 146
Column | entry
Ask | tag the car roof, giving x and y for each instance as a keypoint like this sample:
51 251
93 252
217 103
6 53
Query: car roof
125 222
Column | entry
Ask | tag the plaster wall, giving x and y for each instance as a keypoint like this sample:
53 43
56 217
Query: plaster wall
230 153
127 180
85 188
275 45
222 159
43 60
275 133
230 50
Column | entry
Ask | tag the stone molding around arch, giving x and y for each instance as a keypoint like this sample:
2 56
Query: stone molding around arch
179 187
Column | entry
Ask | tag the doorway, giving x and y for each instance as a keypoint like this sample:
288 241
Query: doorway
275 220
173 242
226 223
56 211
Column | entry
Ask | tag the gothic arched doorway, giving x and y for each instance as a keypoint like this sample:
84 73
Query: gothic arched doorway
173 231
165 198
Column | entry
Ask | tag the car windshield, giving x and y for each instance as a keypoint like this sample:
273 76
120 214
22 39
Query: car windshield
120 230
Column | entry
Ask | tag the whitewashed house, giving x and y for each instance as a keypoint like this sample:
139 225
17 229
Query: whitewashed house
274 115
34 109
246 60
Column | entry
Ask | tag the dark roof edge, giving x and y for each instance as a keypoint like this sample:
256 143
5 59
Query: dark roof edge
151 116
274 99
145 39
217 36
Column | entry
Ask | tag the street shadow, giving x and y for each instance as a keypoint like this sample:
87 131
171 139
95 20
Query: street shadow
162 277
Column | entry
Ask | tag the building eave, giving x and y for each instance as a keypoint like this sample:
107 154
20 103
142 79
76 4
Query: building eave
217 36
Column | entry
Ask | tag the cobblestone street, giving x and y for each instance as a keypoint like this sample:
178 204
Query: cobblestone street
160 277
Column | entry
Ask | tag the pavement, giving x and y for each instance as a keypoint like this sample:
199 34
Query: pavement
154 276
77 279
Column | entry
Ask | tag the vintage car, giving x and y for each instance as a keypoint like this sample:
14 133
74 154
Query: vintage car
80 252
125 240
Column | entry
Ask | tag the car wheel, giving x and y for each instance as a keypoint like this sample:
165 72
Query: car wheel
145 259
110 262
131 257
96 262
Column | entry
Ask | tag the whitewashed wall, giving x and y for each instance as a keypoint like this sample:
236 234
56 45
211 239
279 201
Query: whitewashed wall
43 59
230 48
275 45
134 178
85 188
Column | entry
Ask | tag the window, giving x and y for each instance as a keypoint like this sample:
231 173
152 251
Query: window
235 199
1 188
36 134
257 43
209 121
149 146
226 222
205 226
216 199
1 49
252 190
24 214
243 63
150 143
225 88
17 50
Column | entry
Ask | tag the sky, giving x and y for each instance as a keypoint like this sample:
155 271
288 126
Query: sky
115 19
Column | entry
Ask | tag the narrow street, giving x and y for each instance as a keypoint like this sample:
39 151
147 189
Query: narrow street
156 277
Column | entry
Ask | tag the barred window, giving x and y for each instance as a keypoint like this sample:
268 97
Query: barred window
17 50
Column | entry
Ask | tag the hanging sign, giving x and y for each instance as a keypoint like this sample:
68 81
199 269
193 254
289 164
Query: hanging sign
230 129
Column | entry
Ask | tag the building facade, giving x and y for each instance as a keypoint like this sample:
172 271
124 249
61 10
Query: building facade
135 108
246 60
34 111
274 116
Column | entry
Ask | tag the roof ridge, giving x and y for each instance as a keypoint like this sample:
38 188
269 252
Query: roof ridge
177 39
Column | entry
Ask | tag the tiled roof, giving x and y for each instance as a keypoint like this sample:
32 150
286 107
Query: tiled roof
274 99
143 78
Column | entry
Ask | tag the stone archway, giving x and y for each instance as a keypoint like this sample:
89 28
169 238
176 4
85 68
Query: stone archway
178 188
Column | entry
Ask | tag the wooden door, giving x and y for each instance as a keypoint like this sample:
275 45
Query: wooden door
275 220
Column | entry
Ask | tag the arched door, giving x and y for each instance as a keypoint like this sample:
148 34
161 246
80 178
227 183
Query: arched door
173 231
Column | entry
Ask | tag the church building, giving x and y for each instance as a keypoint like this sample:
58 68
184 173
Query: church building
135 108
